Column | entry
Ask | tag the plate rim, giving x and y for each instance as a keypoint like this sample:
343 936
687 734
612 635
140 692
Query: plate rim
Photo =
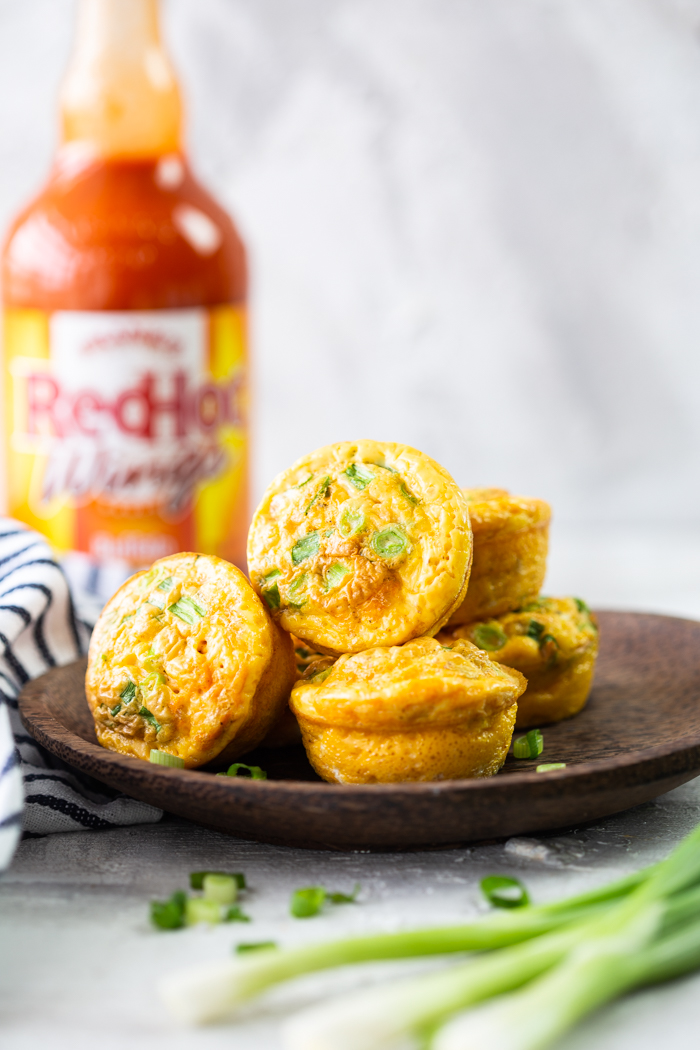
30 703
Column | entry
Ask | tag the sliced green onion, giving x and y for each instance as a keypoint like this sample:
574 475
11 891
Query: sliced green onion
321 493
335 575
344 898
197 878
165 584
385 467
304 482
529 746
306 547
581 605
307 902
296 592
489 636
170 914
235 914
271 596
320 676
187 609
198 909
250 772
115 710
255 946
503 891
535 630
149 717
359 475
154 679
350 522
157 601
545 767
408 495
220 888
549 642
162 758
390 542
128 692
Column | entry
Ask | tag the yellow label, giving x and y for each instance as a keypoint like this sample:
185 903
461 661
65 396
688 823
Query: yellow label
127 431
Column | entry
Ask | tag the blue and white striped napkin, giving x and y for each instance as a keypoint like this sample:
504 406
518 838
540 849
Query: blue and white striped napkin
39 630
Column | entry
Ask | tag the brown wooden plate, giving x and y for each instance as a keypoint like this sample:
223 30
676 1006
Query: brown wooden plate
638 737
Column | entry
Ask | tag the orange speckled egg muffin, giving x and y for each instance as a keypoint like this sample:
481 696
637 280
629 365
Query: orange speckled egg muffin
185 659
361 544
511 537
553 642
419 711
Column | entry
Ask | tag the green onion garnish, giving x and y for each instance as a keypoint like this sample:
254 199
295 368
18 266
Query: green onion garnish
128 692
546 766
115 710
489 636
304 482
408 495
307 902
306 547
220 888
197 878
250 772
390 542
581 605
235 914
535 630
320 676
165 584
350 522
335 575
321 493
162 758
187 609
198 909
529 746
170 914
271 597
149 717
255 946
359 475
504 892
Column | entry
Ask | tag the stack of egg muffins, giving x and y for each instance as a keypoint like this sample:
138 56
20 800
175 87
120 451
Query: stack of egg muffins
391 618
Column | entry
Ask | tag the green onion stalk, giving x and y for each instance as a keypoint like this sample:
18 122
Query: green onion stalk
212 991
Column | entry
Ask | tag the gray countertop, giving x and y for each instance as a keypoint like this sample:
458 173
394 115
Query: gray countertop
79 959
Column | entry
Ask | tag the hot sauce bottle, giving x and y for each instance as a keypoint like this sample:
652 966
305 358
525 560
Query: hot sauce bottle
124 289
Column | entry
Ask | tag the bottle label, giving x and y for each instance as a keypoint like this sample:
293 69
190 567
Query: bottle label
127 430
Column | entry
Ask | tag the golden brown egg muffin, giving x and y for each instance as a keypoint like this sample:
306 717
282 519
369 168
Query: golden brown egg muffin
185 658
511 536
419 711
361 544
553 642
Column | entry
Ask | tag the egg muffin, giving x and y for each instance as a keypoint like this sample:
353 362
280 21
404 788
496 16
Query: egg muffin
185 659
420 711
361 544
553 642
511 536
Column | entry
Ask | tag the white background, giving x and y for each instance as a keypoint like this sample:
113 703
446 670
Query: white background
474 226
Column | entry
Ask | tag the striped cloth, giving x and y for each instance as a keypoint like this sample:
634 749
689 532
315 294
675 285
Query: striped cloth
39 630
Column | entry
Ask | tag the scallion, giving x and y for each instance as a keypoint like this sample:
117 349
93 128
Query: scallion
408 495
249 772
187 610
351 521
162 758
489 636
389 542
335 575
307 902
220 888
149 717
529 746
503 891
321 493
128 692
547 767
359 475
235 914
166 584
199 909
170 914
254 946
197 878
307 547
535 630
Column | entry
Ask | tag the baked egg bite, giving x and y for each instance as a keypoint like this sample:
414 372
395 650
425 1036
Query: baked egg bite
511 537
361 544
553 642
418 711
185 659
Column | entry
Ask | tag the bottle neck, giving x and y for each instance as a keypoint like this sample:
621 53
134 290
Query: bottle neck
120 97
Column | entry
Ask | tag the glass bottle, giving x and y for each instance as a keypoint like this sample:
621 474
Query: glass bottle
124 287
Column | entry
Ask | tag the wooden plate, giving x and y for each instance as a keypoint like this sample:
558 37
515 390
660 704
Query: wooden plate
638 737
